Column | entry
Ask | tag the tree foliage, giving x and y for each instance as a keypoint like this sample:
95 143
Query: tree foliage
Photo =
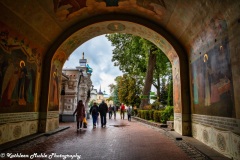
114 93
142 60
127 90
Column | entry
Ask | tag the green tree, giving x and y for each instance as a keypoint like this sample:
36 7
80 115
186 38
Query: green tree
163 69
141 59
163 92
114 93
127 89
149 77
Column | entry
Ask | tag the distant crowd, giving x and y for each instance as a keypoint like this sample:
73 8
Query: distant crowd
102 110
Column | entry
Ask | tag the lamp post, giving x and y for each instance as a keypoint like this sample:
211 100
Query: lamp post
82 67
79 81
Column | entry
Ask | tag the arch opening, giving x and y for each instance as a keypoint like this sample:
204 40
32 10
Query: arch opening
68 42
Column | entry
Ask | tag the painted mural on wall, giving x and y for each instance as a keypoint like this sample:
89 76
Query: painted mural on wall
176 87
211 72
18 70
66 8
54 91
55 80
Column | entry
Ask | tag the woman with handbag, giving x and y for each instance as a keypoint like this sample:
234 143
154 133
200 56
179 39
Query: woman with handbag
80 110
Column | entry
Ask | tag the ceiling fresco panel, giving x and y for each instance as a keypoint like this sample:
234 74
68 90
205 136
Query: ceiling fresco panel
35 16
22 28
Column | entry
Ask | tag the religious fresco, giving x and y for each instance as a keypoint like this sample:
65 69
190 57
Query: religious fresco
19 64
66 8
211 72
17 82
176 87
54 89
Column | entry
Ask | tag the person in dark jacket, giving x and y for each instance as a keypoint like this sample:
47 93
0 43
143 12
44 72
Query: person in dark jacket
103 108
110 111
80 110
94 111
114 109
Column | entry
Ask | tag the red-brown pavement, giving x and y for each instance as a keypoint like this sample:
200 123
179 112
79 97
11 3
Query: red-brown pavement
120 140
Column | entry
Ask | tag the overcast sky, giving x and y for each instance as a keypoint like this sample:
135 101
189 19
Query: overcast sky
98 52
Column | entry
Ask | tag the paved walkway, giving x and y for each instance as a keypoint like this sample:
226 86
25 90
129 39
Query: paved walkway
120 140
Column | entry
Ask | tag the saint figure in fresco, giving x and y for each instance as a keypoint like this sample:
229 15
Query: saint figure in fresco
10 83
54 89
200 81
195 86
22 84
176 95
207 81
30 90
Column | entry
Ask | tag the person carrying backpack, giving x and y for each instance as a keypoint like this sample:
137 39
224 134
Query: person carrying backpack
94 111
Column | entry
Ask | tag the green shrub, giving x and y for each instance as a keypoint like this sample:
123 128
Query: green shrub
156 105
157 116
147 116
151 116
135 112
139 113
142 114
167 114
160 115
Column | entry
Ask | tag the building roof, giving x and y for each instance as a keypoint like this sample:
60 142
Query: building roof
100 92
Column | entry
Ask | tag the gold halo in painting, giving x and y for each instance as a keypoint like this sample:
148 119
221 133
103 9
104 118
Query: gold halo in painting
22 62
54 74
205 58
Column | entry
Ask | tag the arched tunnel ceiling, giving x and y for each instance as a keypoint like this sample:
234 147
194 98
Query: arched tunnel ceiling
96 29
44 21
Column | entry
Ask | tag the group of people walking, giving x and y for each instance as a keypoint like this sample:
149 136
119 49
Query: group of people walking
102 109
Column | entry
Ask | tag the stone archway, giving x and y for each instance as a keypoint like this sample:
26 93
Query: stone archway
103 24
